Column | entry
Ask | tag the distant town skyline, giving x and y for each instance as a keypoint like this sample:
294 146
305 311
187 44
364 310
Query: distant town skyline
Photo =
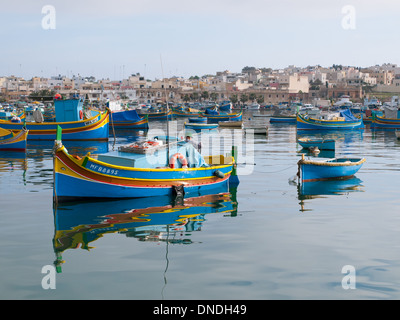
161 39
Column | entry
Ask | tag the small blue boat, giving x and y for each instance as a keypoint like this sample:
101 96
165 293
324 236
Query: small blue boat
321 144
198 120
283 119
336 168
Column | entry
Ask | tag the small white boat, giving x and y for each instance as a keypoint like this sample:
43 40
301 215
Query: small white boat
253 106
231 124
257 130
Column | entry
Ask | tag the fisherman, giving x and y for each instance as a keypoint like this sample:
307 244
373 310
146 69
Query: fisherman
188 139
192 152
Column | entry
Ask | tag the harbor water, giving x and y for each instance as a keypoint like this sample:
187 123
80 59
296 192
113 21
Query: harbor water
266 238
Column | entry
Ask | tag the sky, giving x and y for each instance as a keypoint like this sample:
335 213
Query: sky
113 39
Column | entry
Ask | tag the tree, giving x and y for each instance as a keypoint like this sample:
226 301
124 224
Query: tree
260 99
252 96
194 96
42 95
244 97
205 95
186 98
234 98
213 96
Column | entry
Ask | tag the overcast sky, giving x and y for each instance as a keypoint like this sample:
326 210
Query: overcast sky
115 38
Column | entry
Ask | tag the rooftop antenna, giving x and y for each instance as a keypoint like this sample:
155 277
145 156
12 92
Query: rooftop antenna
166 100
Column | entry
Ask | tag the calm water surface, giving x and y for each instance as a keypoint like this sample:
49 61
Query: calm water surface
266 239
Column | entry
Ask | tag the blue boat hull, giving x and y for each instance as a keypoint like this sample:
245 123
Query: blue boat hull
310 170
283 120
201 126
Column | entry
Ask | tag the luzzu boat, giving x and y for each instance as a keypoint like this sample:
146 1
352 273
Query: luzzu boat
215 117
385 123
123 174
128 119
10 141
189 112
158 116
71 119
346 121
336 168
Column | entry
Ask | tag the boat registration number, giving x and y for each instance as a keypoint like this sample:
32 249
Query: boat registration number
90 122
102 169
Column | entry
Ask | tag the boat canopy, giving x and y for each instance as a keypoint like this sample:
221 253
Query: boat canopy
128 115
347 115
212 112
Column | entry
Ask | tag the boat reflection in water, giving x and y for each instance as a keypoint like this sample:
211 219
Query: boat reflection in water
161 219
318 189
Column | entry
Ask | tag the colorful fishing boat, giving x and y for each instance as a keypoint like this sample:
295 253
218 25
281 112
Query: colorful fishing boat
10 141
215 117
379 122
121 175
321 144
346 121
188 112
158 116
71 119
225 106
128 119
336 168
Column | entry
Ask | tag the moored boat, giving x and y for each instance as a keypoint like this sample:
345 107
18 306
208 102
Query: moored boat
336 168
158 116
70 117
128 119
231 124
346 121
200 126
186 112
215 117
120 174
10 141
283 119
256 130
385 123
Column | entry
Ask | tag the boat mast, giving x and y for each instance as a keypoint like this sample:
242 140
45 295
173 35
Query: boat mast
166 100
